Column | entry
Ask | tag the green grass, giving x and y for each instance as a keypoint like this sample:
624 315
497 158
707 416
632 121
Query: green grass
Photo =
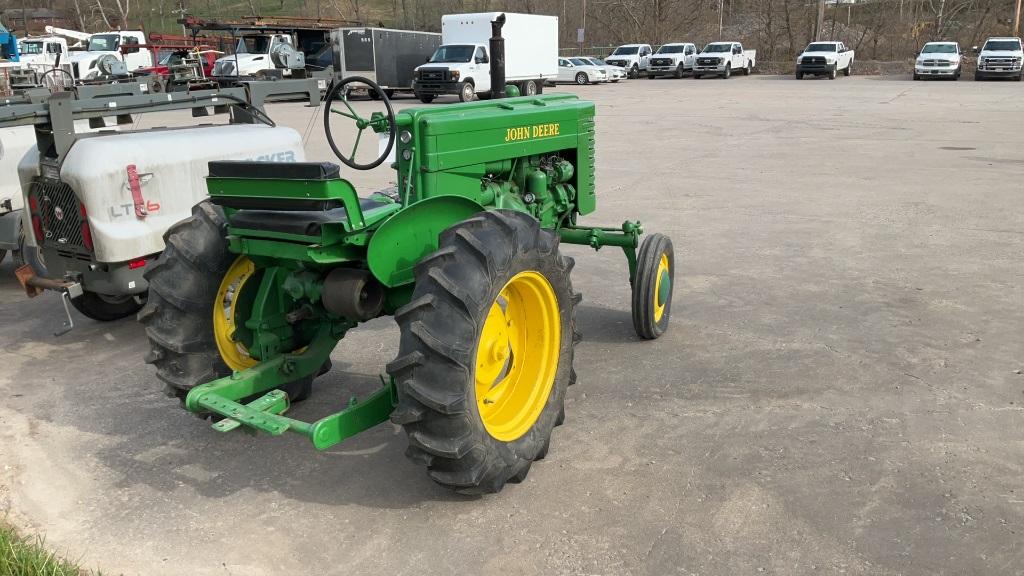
28 556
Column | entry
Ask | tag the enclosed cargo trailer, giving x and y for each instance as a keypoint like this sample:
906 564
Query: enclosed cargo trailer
388 57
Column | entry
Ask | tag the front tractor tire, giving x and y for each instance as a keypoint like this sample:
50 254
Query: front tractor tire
185 286
652 287
486 352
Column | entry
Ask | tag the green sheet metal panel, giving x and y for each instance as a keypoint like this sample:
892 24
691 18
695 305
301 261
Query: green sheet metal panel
453 146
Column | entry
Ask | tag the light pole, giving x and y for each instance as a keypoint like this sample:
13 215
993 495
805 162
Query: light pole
1016 19
721 17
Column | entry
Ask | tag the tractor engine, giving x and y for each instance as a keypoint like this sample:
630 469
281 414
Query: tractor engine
533 155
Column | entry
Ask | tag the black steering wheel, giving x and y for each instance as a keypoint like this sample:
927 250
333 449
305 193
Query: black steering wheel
377 121
57 80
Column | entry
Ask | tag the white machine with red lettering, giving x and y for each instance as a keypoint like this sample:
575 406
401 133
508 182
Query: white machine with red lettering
98 203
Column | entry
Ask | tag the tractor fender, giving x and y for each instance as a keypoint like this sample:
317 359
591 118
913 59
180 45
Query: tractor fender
411 234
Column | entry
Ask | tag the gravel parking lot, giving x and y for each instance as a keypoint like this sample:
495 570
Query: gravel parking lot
840 391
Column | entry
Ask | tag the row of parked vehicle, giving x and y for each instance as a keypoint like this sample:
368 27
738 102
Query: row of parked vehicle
675 59
999 57
680 58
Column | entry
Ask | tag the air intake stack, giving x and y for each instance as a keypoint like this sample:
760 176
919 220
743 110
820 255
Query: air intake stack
497 44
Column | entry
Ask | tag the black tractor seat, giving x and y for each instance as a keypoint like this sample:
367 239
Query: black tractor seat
301 222
252 170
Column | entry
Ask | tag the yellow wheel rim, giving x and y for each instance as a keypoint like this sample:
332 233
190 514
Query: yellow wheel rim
660 300
234 353
517 357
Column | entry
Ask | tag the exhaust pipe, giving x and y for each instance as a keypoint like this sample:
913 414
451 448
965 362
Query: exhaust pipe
497 45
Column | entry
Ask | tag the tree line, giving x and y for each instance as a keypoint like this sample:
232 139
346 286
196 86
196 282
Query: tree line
779 29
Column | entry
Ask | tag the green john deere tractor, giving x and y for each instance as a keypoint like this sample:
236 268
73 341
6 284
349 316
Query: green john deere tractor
255 290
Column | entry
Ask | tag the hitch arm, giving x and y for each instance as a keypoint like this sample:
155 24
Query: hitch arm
626 237
265 413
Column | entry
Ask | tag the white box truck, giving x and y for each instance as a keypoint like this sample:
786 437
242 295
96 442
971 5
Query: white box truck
461 65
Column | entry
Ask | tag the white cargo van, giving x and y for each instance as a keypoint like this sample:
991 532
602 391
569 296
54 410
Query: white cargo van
461 65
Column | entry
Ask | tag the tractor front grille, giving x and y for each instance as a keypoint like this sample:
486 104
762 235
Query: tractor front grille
61 217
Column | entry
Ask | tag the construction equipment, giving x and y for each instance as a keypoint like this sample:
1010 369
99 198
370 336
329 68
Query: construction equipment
270 48
99 202
257 288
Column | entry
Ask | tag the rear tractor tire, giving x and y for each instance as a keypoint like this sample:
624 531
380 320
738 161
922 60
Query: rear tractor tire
652 288
196 275
486 352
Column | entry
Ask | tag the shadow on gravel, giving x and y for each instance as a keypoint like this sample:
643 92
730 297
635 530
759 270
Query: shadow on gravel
96 383
606 325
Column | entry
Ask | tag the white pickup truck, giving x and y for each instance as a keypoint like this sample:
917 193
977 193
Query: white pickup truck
938 59
825 59
43 52
723 58
634 58
261 56
122 46
1000 58
674 59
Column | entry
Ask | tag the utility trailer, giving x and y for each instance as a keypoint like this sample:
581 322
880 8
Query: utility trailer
310 37
99 203
388 57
